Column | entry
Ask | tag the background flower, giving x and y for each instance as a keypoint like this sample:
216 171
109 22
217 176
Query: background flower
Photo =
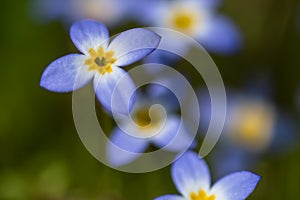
148 124
109 12
195 18
254 128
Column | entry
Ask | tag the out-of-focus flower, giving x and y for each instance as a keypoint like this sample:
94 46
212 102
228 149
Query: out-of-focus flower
101 61
192 179
196 18
148 124
251 124
253 127
110 12
256 125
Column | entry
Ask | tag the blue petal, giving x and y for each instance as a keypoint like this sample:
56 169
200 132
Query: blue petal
209 4
221 36
170 197
285 134
171 137
190 174
47 10
115 89
229 158
87 34
161 95
66 74
148 11
132 45
237 186
161 57
124 148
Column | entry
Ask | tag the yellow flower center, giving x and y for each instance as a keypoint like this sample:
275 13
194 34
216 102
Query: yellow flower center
142 118
185 20
100 60
253 126
202 195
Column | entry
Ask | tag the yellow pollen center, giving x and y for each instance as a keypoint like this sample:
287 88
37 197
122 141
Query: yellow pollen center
252 126
100 60
147 124
142 117
202 195
185 20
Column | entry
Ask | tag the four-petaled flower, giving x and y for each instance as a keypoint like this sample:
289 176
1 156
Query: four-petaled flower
148 125
192 178
101 61
198 19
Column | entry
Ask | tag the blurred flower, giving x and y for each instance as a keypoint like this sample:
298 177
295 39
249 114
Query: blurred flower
196 18
256 125
109 12
192 179
149 123
100 62
251 124
253 127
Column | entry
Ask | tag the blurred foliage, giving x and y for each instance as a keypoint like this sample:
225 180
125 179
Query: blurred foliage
41 154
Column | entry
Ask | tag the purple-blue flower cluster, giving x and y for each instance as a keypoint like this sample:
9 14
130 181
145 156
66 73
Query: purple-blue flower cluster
141 126
198 19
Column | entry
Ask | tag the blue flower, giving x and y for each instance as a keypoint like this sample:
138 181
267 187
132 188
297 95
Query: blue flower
109 12
101 61
254 127
192 179
147 125
196 18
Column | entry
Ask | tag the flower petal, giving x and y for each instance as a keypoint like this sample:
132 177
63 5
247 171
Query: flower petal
190 174
229 158
132 45
149 11
237 186
221 36
124 148
170 197
212 4
115 89
66 74
87 34
171 137
48 10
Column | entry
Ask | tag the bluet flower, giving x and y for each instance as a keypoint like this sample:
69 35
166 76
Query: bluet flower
192 179
100 62
148 125
196 18
110 12
254 127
